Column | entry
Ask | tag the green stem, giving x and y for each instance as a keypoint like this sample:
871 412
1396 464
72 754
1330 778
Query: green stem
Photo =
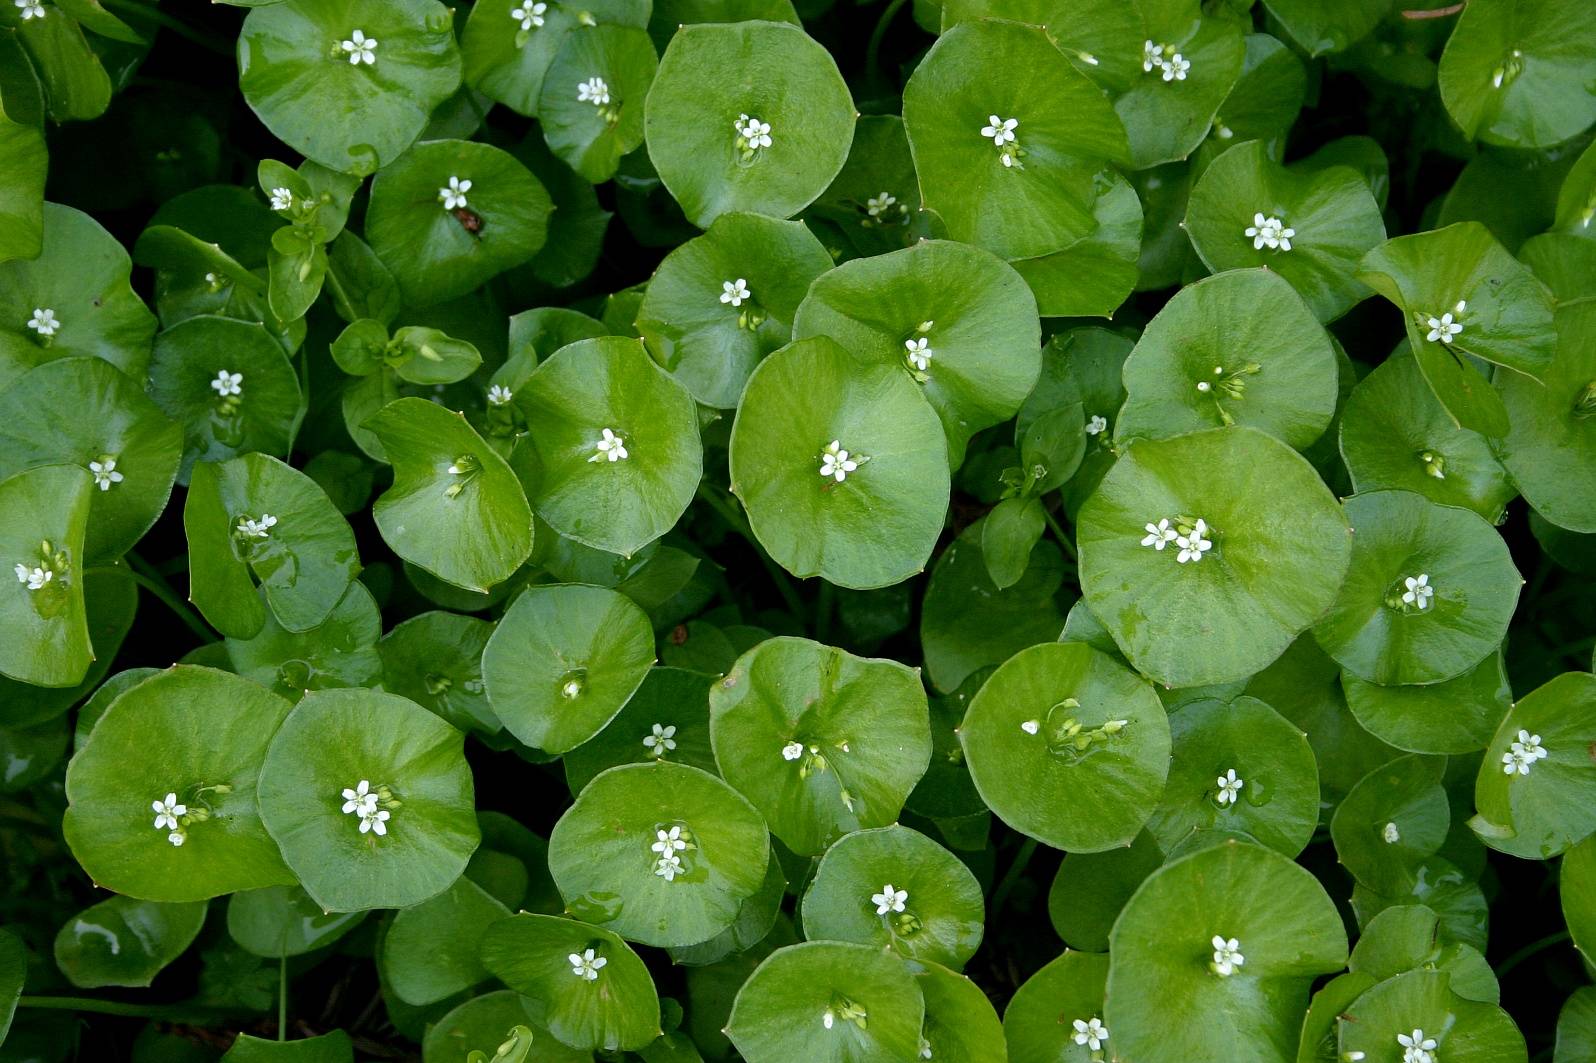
88 1005
823 607
1058 533
282 998
1532 949
161 18
140 572
873 50
728 513
1021 860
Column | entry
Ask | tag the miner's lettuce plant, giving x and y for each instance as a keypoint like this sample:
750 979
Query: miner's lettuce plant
708 530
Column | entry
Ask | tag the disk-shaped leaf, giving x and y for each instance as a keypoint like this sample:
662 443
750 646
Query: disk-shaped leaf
709 339
338 739
660 853
1041 199
875 200
332 1047
877 526
1068 746
1464 1031
827 1000
756 917
111 600
1407 937
1533 805
1229 614
433 950
1163 971
1453 894
1240 348
1391 822
933 905
1332 212
1576 886
822 742
81 278
946 790
435 660
616 1008
1265 101
1455 716
961 1025
341 651
1091 889
455 509
43 515
507 62
1396 435
482 1024
320 96
1277 800
22 218
956 320
1378 635
196 733
281 921
713 74
1039 1023
257 413
437 246
1320 29
1092 276
563 661
667 718
125 942
588 135
568 463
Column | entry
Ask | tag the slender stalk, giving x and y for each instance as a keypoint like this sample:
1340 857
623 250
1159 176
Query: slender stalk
728 513
823 609
90 1006
282 998
873 49
142 573
162 19
1058 533
1531 950
1022 859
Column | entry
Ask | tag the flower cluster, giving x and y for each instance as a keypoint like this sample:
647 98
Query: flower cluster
169 816
1190 536
1000 131
1269 232
250 528
668 845
1523 754
367 805
836 462
1417 1048
752 134
1170 64
44 570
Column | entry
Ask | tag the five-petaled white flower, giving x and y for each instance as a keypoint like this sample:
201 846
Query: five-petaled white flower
105 473
1096 425
734 292
1269 232
1443 328
593 91
920 353
611 448
227 383
31 9
1522 754
1000 130
668 867
1418 592
792 751
374 821
499 395
360 798
877 205
44 321
1229 786
889 899
661 741
1416 1048
35 577
1159 535
529 14
1193 545
668 841
835 463
1175 67
1090 1032
585 965
1227 955
755 134
1152 56
166 813
360 49
251 528
282 199
454 196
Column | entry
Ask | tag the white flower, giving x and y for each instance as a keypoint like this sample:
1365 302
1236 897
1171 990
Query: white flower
585 965
44 321
1152 55
282 199
1269 232
668 841
612 448
1096 425
1090 1032
1419 592
105 473
1416 1048
755 134
1443 328
360 48
835 462
374 820
454 196
1391 834
889 899
593 91
734 292
1159 535
227 383
34 577
499 395
925 1048
1175 68
1030 727
1229 787
827 1018
1193 545
1523 753
919 353
166 813
877 205
251 528
177 838
529 14
1000 130
661 741
31 9
360 798
1227 956
792 751
668 867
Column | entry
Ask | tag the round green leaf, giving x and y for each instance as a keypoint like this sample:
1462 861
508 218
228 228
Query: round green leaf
341 651
960 1023
822 742
1395 818
322 97
870 527
1373 632
563 661
1454 895
592 134
1455 716
1039 1023
894 888
1543 805
1068 746
507 53
589 402
756 917
43 515
1235 610
482 1024
22 218
435 660
1092 277
1091 889
432 950
875 200
714 74
1407 937
281 921
333 741
1464 1031
667 718
334 1047
1322 28
125 942
196 733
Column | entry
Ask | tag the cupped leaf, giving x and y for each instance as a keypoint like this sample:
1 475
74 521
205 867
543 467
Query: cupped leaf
1039 1023
1534 787
1422 1006
1453 894
483 1023
335 1047
667 718
433 950
348 762
1092 276
125 942
199 735
341 651
961 1025
455 509
1240 348
307 75
865 527
710 337
956 320
1394 819
613 456
591 130
448 215
508 47
416 354
1428 595
44 513
563 661
281 921
22 217
111 600
1455 716
1408 937
1321 29
875 200
715 79
435 660
822 742
1068 746
1234 609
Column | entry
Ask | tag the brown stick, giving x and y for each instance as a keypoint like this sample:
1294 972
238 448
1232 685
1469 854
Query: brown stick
1439 12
